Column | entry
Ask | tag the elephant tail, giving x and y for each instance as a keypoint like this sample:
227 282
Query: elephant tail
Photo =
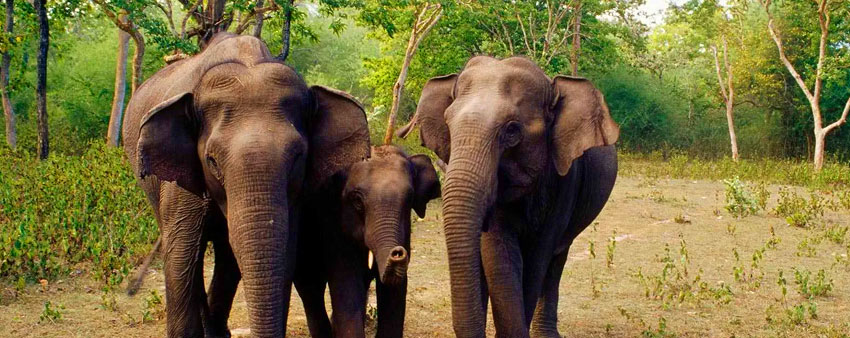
136 282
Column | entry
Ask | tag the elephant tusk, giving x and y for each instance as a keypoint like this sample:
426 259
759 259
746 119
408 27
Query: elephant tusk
370 259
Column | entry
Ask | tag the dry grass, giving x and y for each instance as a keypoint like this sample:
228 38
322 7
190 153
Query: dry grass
643 217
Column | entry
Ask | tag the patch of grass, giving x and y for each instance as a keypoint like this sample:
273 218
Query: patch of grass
772 171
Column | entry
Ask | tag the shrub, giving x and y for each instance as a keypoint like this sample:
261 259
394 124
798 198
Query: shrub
739 201
68 210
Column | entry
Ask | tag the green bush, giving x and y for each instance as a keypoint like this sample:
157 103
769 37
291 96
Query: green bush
67 210
739 201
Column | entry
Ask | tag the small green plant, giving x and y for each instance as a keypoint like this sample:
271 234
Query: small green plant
762 195
660 332
152 307
836 233
806 247
609 253
783 285
810 288
798 211
51 313
739 201
731 228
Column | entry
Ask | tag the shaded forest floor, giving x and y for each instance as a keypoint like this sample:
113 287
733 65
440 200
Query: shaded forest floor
663 259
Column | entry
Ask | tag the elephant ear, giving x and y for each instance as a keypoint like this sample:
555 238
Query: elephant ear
168 143
437 95
426 184
338 134
582 121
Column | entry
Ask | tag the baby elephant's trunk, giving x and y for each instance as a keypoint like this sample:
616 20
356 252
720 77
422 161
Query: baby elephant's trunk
395 268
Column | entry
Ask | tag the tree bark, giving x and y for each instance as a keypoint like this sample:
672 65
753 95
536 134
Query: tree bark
727 92
285 32
258 25
424 22
114 131
574 56
8 110
138 58
41 86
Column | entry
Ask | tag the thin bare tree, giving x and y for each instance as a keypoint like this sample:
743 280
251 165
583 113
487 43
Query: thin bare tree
426 18
576 52
116 116
727 93
41 82
813 96
8 110
138 40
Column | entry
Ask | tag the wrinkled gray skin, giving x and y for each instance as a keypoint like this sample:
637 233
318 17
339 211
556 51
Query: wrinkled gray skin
365 208
222 144
531 163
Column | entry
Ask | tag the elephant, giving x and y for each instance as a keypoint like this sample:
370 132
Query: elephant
224 144
531 163
365 210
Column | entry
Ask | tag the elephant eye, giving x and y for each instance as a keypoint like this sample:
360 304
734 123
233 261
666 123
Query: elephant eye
511 134
213 165
356 199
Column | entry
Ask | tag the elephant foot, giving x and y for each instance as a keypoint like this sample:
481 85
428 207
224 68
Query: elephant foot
217 333
545 333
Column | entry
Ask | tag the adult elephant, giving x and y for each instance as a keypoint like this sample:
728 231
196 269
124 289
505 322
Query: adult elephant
531 163
222 144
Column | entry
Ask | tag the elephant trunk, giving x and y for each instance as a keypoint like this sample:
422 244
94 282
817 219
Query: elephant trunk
387 243
468 194
262 240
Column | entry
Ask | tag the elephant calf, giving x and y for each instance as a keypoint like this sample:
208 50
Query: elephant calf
364 209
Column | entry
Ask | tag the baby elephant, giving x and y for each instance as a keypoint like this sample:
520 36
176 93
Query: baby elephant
362 217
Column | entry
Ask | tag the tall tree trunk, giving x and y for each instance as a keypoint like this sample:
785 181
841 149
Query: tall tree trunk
576 39
41 86
425 20
115 118
727 92
820 146
8 111
285 32
138 58
258 25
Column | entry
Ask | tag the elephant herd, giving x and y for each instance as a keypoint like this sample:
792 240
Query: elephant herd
233 148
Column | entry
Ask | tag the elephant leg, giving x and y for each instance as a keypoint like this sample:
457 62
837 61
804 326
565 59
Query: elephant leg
183 214
502 261
312 293
225 278
545 323
391 309
348 299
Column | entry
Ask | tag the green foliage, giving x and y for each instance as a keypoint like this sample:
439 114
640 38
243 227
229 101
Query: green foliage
67 210
739 201
810 288
772 171
797 210
51 313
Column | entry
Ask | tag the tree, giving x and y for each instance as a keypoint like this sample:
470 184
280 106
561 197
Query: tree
123 18
115 117
820 131
41 86
427 16
8 110
727 91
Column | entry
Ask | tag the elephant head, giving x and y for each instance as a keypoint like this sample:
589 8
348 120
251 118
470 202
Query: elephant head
376 200
249 136
501 125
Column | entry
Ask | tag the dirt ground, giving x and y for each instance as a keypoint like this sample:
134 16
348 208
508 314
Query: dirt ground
672 273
